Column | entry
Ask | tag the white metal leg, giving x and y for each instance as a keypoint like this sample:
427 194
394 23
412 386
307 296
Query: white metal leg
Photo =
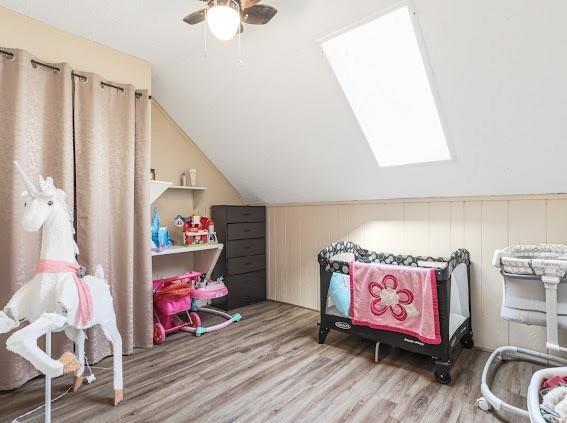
551 283
488 399
48 381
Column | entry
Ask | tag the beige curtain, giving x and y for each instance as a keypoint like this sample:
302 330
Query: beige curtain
112 154
94 140
36 128
142 319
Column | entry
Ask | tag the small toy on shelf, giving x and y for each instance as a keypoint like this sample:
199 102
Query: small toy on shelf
155 229
179 221
197 230
197 233
160 234
212 234
164 240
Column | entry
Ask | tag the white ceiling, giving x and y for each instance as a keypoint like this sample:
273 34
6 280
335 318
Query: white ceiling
280 128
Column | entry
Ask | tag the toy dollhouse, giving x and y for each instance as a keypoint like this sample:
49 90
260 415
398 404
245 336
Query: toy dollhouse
197 230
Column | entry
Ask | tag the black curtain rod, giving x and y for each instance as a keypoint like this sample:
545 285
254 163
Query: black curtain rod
83 78
7 54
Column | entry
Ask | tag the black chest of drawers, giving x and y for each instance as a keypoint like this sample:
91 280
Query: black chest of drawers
242 263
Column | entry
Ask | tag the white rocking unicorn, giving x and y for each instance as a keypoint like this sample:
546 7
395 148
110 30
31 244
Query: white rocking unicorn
56 299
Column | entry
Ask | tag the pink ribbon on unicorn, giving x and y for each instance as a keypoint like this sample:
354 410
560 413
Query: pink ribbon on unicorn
85 308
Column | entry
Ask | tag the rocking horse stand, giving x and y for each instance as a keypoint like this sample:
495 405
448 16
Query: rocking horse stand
47 418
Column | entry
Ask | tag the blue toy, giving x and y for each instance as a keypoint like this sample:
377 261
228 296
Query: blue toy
155 228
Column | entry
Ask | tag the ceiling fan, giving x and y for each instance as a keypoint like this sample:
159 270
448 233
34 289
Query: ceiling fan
225 17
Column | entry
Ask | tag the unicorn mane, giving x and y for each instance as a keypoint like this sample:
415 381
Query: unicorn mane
61 198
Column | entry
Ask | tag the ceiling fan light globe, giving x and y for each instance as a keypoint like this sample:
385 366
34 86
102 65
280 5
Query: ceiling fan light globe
223 21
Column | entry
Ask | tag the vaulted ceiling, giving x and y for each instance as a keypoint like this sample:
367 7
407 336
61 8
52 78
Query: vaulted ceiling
280 128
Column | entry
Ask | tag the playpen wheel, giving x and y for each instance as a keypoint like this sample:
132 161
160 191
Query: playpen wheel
483 404
467 342
159 333
443 377
195 319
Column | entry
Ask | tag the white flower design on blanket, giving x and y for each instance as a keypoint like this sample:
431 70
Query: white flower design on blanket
389 297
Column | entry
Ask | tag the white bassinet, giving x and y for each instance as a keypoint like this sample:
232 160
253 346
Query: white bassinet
535 295
522 267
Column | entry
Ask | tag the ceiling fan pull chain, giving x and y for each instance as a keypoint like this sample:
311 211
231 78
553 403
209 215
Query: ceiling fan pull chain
240 62
205 42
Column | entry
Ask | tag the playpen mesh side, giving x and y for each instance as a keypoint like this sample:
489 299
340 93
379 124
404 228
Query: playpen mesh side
333 258
459 309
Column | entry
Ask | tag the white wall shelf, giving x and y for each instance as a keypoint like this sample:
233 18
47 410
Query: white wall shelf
177 249
157 188
187 187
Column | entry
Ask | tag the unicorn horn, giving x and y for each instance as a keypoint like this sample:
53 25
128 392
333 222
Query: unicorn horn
29 186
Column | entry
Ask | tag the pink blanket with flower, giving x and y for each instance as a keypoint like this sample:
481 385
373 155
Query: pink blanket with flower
395 298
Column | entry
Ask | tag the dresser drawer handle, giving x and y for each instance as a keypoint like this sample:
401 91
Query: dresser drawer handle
247 248
247 230
245 214
248 264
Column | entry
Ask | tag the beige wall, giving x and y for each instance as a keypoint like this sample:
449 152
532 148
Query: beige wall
54 45
428 227
173 153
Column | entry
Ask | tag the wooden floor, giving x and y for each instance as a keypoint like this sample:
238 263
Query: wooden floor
269 367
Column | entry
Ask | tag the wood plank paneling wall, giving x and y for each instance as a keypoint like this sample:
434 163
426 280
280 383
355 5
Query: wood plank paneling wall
296 233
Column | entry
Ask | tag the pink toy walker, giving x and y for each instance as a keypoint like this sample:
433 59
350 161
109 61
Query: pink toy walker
175 305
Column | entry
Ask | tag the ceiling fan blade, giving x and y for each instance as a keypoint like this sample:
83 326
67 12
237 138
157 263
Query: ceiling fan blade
258 14
195 17
248 3
241 30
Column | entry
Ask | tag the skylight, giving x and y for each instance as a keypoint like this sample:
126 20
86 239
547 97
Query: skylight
381 71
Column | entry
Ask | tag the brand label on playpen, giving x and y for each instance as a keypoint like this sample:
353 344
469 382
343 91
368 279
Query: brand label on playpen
342 325
411 341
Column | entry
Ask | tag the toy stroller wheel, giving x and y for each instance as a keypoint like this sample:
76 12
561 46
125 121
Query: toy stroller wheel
467 342
159 334
195 319
483 404
443 378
